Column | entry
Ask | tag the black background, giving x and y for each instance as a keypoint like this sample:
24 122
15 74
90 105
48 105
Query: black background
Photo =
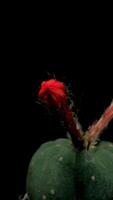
78 54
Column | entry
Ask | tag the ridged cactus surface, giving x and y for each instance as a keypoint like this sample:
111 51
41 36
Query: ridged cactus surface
60 172
51 171
94 173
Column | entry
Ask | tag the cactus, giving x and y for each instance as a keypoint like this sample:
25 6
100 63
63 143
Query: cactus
94 173
51 171
76 168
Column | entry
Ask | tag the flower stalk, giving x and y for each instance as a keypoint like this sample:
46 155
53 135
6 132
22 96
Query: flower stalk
96 129
55 94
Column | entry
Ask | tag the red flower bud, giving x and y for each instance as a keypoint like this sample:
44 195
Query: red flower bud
53 92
